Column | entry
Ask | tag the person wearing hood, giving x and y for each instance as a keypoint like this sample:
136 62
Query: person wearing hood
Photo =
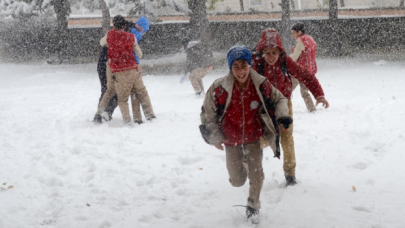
271 61
239 109
138 29
304 53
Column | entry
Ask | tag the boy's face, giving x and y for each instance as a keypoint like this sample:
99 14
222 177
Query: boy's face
240 70
271 55
296 34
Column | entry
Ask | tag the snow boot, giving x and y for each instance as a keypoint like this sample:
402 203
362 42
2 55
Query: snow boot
290 181
252 215
138 122
97 119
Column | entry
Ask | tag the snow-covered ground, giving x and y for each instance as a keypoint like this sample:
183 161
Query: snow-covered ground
66 172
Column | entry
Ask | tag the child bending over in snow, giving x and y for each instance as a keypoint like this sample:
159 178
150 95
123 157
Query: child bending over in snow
238 110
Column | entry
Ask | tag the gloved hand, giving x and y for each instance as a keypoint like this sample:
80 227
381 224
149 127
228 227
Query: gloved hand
285 122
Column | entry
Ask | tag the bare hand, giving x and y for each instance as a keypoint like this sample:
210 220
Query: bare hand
322 101
282 128
219 146
139 68
138 28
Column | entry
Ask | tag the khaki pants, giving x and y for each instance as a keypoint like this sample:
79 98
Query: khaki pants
251 153
305 94
125 83
287 143
196 77
136 107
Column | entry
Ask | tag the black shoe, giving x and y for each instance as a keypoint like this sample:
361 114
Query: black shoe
151 118
97 119
138 122
252 215
290 181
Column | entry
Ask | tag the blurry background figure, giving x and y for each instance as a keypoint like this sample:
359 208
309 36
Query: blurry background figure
199 62
304 53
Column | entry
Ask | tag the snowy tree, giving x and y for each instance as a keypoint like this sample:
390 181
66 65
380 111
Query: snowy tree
241 5
285 24
335 45
19 8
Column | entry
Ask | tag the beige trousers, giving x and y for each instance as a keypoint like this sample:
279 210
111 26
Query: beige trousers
287 144
136 107
251 153
124 84
196 77
305 94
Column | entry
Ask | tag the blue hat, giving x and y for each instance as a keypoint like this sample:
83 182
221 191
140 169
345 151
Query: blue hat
238 52
143 22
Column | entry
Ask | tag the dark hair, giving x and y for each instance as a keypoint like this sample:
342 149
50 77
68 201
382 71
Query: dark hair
119 22
298 27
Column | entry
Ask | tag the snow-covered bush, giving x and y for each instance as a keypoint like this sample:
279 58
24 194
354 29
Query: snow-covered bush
25 38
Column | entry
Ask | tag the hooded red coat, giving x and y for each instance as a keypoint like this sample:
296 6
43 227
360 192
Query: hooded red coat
271 38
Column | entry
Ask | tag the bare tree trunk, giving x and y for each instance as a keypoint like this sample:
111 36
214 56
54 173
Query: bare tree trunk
342 3
241 5
401 4
292 4
105 12
285 24
335 45
199 30
198 19
62 10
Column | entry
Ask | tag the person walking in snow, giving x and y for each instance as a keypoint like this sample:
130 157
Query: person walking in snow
138 29
122 70
271 61
304 53
199 62
238 110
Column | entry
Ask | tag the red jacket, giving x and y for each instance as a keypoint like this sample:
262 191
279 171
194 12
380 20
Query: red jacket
307 57
241 122
271 38
120 51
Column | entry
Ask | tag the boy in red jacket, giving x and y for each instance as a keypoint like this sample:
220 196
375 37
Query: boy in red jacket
271 61
124 75
238 110
304 53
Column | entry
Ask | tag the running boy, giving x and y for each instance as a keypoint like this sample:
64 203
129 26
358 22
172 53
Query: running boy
238 110
304 53
271 61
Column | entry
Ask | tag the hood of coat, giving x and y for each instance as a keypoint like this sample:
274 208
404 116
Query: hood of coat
143 22
270 38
